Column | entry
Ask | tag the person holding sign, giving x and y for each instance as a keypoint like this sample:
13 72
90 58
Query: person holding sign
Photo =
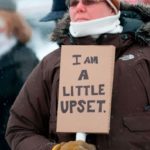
33 116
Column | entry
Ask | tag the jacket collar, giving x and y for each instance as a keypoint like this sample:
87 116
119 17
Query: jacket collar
130 13
121 41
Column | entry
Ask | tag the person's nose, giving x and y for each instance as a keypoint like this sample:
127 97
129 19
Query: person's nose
81 7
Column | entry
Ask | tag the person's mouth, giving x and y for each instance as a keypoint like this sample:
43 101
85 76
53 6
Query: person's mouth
80 19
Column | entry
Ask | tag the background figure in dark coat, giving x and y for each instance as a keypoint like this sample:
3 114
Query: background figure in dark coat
58 10
16 60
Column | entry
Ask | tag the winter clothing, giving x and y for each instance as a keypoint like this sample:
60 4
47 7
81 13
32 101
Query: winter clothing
32 122
57 12
14 69
111 24
112 3
8 5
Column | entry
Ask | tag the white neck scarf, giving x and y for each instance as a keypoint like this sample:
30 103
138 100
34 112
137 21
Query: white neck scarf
6 43
110 24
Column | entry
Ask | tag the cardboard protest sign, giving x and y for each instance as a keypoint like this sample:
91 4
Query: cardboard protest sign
85 89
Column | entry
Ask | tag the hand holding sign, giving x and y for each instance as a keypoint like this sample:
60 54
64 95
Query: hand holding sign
74 145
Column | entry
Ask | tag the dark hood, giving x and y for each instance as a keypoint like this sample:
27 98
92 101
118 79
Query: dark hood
135 19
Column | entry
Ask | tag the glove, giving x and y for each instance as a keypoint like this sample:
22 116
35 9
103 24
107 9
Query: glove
74 145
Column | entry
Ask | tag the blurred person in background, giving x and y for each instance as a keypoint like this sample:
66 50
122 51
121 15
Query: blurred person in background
58 10
16 60
33 117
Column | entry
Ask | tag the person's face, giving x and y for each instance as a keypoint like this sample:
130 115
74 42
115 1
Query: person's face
2 25
6 22
83 10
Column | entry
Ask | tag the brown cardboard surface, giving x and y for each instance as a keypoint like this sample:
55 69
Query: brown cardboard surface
85 88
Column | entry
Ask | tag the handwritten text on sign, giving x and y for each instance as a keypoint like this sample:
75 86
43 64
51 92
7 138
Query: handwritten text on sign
82 105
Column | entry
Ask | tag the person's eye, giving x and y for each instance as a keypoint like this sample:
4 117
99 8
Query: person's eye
90 2
73 3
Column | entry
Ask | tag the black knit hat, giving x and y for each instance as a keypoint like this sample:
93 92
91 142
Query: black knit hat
8 5
58 9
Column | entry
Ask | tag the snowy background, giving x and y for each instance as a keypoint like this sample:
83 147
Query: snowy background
33 11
